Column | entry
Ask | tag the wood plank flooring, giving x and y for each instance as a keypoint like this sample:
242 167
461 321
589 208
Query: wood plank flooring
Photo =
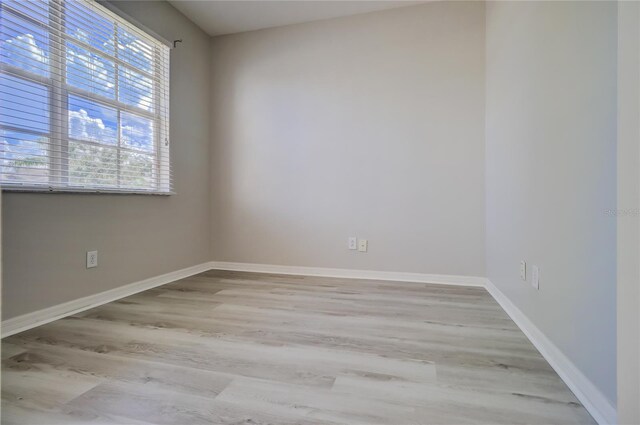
243 348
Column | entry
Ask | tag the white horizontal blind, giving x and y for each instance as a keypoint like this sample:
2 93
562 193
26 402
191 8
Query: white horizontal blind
84 100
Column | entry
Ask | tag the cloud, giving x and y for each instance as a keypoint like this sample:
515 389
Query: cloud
137 132
89 71
22 160
136 89
134 51
23 51
145 102
85 70
27 42
83 35
84 127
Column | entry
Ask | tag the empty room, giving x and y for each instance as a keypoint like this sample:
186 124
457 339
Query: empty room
319 212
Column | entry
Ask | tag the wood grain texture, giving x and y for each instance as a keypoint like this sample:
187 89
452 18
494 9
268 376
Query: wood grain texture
243 348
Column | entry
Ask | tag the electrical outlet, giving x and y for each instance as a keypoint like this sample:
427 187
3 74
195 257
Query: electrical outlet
363 245
353 242
92 259
535 277
523 270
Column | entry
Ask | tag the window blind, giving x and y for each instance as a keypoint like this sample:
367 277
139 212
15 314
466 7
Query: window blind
84 100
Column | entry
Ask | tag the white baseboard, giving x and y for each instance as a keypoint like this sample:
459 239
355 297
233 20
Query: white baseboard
49 314
351 274
589 395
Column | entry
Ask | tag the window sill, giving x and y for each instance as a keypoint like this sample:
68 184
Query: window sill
80 191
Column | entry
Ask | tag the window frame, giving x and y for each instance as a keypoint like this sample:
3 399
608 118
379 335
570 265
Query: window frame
59 92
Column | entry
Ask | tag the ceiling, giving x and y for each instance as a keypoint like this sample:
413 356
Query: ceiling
228 17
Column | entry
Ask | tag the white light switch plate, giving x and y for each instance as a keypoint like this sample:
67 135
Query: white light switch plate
92 259
523 270
535 277
363 245
353 242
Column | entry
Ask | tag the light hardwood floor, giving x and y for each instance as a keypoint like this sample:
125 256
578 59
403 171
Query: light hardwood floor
241 348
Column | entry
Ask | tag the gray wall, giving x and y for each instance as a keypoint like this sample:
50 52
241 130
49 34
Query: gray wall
551 172
370 126
45 236
628 212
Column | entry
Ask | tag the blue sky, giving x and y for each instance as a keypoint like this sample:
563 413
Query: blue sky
25 45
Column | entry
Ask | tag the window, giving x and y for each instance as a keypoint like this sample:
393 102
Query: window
84 100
